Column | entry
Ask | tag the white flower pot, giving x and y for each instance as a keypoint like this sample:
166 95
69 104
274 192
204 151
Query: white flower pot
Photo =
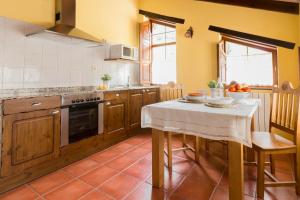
216 92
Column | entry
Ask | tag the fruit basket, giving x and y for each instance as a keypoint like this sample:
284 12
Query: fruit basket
238 91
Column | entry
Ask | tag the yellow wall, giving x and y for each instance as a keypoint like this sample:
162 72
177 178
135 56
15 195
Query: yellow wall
116 21
196 58
113 20
33 11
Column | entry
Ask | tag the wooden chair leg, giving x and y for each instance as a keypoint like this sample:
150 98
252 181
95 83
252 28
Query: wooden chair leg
260 174
197 148
169 146
297 172
272 164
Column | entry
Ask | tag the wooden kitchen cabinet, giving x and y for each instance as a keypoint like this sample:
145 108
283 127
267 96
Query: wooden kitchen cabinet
115 113
135 108
122 110
150 96
29 139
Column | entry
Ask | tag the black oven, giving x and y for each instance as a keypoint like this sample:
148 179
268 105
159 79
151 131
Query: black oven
80 119
83 121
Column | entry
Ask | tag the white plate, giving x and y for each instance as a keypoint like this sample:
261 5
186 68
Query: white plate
220 101
218 105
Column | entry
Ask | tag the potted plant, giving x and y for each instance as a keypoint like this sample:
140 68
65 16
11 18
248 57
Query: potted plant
106 78
216 88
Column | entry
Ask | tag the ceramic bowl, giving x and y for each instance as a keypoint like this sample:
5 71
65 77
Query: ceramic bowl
238 95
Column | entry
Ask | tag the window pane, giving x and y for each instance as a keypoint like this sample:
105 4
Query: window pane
253 69
163 57
233 49
171 52
159 53
164 64
157 28
159 39
170 29
171 37
253 51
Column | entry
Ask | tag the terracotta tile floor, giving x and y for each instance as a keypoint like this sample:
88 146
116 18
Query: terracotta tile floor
124 172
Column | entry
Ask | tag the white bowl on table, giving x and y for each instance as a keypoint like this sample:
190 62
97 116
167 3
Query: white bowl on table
195 98
238 96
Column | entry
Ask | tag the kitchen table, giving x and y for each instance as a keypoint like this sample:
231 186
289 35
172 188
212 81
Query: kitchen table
232 124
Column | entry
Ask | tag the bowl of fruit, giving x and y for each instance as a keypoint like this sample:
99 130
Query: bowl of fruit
196 96
238 91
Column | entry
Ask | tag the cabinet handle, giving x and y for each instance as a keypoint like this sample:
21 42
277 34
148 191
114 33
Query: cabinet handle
107 103
144 90
36 104
117 95
148 90
55 112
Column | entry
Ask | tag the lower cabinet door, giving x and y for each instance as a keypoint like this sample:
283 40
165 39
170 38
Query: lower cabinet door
115 118
135 108
29 139
150 97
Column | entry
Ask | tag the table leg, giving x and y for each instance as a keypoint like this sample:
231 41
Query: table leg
236 171
170 153
250 154
157 158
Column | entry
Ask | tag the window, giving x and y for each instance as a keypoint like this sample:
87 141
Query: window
250 64
163 53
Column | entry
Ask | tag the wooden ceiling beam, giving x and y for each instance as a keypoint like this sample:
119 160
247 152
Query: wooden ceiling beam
160 17
252 37
271 5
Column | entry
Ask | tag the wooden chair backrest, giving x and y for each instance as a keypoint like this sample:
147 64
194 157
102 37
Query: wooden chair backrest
170 91
285 108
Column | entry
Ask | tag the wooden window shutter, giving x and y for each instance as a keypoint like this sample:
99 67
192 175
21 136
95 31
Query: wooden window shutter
221 61
145 53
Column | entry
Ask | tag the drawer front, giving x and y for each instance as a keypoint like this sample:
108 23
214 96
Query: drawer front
116 96
150 90
31 104
138 91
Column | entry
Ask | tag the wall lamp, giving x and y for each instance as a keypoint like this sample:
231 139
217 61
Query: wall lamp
189 33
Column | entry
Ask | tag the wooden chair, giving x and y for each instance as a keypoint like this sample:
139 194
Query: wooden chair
285 117
169 92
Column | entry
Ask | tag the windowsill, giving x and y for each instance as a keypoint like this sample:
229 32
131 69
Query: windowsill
256 87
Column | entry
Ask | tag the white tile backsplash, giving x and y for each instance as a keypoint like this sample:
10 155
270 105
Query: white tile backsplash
13 76
36 62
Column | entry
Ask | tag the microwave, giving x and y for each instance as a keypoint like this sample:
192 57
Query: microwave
124 52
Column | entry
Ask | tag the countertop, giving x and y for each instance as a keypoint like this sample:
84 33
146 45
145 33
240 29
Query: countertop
30 93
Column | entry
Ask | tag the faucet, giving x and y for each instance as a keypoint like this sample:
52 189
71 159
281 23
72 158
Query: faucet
128 81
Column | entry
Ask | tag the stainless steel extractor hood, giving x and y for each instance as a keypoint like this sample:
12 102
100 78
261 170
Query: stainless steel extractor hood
65 29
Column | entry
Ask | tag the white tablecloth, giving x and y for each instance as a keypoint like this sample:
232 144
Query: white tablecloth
230 124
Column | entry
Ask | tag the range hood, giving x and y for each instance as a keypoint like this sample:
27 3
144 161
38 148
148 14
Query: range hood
65 29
